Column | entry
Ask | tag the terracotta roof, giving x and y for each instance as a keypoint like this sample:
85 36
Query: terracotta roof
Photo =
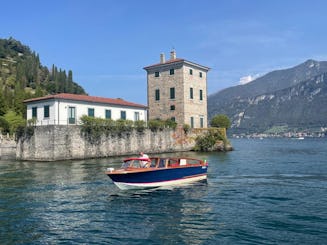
79 97
165 63
177 60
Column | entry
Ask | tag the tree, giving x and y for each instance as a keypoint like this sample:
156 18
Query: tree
3 105
220 121
14 120
4 125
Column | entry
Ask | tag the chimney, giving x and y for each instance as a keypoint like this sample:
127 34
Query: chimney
162 58
173 54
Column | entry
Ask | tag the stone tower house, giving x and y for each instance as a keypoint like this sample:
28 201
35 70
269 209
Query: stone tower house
177 90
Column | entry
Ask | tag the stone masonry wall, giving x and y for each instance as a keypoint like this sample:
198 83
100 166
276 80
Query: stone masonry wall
52 143
7 148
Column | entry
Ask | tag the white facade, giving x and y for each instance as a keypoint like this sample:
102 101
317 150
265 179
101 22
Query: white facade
58 111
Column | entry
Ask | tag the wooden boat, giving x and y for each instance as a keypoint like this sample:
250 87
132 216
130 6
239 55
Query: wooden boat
154 172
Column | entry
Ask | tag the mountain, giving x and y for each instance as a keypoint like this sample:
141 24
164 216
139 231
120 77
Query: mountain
290 100
22 76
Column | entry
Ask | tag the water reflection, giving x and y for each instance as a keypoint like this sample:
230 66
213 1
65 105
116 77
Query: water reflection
162 214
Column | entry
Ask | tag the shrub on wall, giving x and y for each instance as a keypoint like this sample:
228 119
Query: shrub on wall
124 126
110 126
94 128
156 125
208 141
139 126
186 128
171 124
24 132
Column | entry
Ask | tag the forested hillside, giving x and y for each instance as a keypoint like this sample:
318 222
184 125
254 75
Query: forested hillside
22 76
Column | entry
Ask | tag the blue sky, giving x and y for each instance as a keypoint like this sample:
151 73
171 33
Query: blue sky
107 43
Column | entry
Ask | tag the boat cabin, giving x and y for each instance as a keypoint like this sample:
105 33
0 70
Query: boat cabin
158 162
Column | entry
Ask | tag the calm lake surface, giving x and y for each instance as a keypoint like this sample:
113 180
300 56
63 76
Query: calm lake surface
270 191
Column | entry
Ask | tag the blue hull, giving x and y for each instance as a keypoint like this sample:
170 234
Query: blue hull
159 175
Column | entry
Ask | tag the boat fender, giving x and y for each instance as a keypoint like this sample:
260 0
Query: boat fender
110 169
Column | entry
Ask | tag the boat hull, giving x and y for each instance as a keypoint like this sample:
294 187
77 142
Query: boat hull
151 178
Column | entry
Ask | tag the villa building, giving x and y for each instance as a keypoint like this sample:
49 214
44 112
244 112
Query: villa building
177 90
65 109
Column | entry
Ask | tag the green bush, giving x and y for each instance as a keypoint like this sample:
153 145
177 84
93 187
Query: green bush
4 125
186 128
14 120
92 128
124 126
110 126
24 133
156 125
220 121
170 124
207 141
139 125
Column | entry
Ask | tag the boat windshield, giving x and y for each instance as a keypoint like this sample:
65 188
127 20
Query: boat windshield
134 163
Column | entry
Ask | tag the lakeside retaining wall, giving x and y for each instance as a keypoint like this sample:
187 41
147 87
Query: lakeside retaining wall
60 142
7 148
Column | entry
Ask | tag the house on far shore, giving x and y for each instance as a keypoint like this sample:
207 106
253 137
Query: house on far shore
67 109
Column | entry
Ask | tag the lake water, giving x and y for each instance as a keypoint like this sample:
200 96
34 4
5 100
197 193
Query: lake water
270 191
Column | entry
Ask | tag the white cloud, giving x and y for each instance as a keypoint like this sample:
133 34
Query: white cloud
247 79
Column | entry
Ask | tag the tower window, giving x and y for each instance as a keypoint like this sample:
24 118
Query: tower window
156 74
171 71
172 107
201 122
157 94
200 74
191 72
172 93
201 94
191 93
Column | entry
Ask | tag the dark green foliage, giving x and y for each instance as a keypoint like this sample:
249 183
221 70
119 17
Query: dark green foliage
207 141
170 123
140 125
4 125
186 128
22 77
94 128
14 120
220 121
24 133
156 125
124 126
